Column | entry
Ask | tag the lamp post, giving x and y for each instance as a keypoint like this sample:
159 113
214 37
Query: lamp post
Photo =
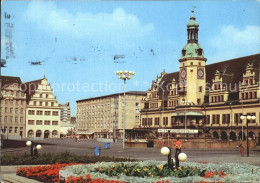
34 148
247 145
249 118
124 75
242 118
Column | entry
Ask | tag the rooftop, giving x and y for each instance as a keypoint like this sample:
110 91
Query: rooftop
115 94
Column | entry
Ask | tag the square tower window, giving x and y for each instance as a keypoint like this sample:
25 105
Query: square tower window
191 63
199 51
183 53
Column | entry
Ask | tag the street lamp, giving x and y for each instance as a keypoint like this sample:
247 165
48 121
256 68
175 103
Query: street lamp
124 75
34 150
242 118
249 118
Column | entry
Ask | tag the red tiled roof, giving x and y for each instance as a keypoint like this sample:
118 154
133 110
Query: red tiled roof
231 71
9 80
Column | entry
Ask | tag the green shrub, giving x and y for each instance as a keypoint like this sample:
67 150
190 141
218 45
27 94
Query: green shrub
48 158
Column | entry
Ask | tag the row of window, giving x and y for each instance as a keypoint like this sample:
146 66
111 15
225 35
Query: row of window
154 105
40 122
219 98
250 81
10 129
11 119
173 103
96 125
44 95
46 113
11 110
17 93
106 106
213 119
35 103
16 102
153 95
149 121
248 95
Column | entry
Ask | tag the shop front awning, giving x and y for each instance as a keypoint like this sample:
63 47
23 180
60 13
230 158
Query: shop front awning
188 113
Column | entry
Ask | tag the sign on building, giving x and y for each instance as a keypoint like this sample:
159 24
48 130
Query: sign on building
177 131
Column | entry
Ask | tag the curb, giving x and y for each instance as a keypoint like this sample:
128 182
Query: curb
13 178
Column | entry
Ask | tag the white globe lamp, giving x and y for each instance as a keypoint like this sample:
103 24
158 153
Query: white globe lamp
28 143
38 147
165 151
182 157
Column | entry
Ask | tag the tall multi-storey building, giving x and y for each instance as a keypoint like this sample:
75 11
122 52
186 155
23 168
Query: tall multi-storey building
43 111
102 116
210 98
65 112
12 109
73 120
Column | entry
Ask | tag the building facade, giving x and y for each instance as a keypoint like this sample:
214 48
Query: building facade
210 98
65 112
12 109
103 116
43 111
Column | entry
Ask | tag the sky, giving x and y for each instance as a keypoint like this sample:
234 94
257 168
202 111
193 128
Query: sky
81 44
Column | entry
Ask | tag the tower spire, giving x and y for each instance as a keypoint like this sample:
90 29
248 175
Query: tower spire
193 29
192 49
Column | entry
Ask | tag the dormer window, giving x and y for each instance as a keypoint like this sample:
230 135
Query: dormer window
183 53
199 51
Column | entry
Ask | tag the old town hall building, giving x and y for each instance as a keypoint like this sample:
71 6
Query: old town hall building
209 98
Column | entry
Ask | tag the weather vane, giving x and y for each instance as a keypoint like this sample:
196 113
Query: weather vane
192 10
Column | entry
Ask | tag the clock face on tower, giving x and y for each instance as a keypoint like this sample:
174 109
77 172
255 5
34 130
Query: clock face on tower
183 73
200 73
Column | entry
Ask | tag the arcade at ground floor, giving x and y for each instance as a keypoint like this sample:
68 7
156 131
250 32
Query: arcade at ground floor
215 133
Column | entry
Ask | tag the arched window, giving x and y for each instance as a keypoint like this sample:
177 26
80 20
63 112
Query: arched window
240 136
223 135
38 133
251 135
54 134
232 136
46 134
30 133
215 134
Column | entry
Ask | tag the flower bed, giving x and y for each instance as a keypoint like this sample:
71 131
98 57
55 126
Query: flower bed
145 172
154 171
48 173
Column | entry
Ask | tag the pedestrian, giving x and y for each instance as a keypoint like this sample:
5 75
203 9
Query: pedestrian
178 151
178 146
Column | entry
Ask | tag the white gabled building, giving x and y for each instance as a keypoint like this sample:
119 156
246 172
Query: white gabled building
43 111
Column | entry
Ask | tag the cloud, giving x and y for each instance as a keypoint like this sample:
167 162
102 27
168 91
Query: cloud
232 42
118 25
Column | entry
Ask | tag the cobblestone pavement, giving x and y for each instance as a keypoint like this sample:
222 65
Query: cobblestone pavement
87 147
